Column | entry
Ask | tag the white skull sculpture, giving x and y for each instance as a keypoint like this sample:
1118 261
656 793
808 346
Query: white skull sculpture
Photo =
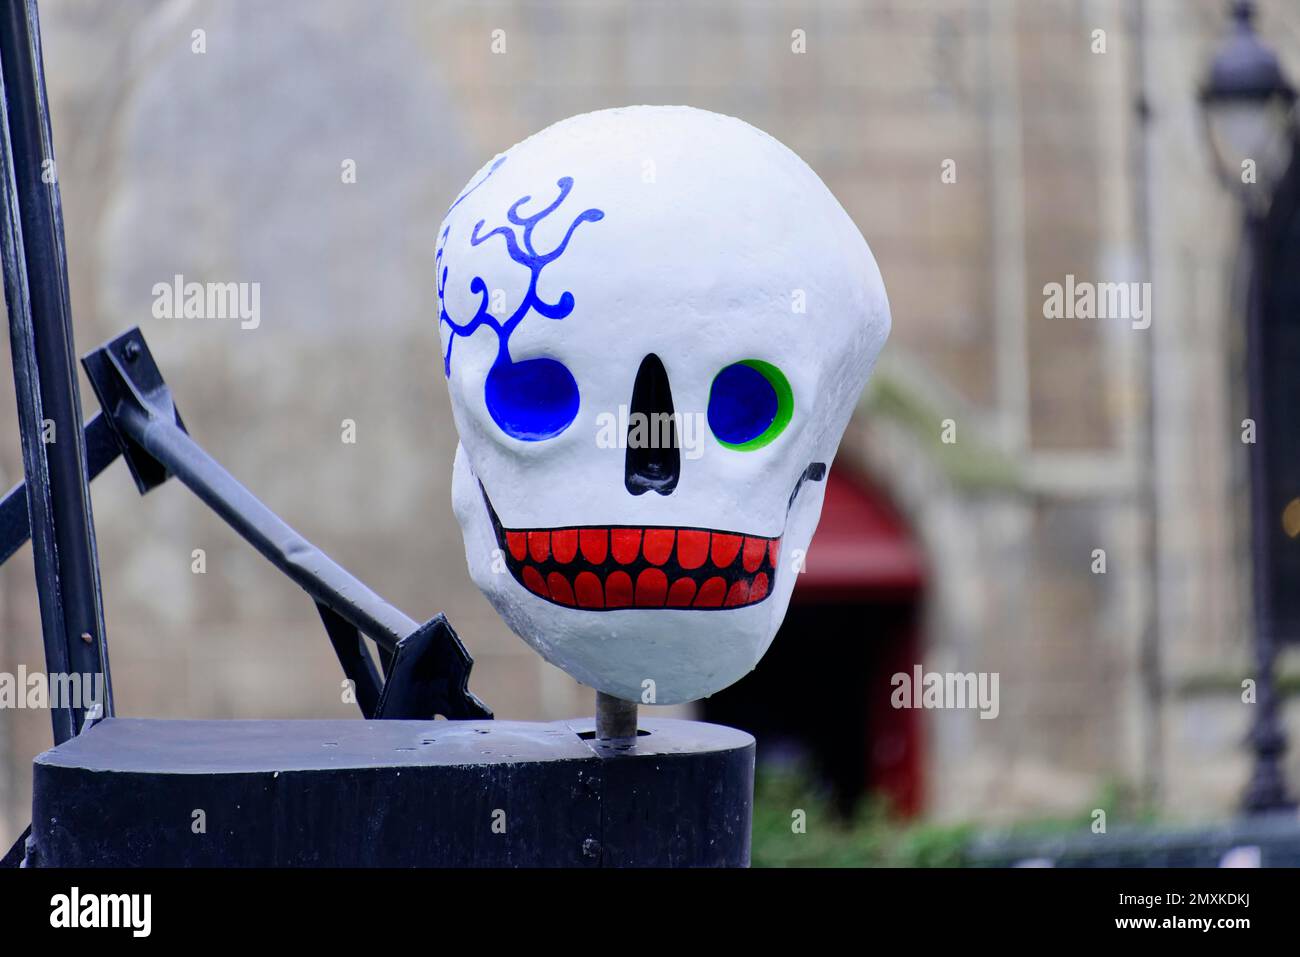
617 272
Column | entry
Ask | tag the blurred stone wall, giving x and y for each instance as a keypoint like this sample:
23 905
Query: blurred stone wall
226 166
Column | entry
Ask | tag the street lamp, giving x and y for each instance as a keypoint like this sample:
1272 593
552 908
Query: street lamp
1249 110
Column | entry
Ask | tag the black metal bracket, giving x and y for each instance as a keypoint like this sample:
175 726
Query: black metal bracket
124 374
430 669
426 665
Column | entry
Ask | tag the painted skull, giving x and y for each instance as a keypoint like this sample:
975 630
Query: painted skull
655 323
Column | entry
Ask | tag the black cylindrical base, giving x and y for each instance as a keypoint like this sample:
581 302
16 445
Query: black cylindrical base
133 792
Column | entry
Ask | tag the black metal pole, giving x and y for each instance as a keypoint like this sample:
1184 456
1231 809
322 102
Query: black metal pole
1267 789
49 407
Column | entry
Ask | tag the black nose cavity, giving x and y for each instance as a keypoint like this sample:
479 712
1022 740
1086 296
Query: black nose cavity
653 458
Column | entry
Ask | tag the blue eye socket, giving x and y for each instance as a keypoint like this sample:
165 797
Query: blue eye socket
531 400
750 404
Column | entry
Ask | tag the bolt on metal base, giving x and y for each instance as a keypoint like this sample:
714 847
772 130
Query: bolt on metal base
615 721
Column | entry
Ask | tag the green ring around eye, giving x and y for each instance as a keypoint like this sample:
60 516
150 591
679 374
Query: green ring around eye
750 404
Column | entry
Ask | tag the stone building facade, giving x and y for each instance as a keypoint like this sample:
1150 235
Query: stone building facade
985 149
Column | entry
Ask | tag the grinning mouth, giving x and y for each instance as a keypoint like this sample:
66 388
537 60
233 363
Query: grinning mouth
609 567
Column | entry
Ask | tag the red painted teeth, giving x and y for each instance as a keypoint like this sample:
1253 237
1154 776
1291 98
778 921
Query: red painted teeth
725 549
625 544
594 542
588 589
658 547
738 594
534 582
711 593
692 547
618 590
560 590
682 593
564 545
632 567
651 588
517 542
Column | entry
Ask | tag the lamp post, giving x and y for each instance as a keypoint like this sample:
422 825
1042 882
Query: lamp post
1249 106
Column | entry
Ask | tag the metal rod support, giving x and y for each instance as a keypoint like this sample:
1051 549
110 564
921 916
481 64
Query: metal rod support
615 719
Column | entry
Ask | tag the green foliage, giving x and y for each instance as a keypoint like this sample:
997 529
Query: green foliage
872 838
875 837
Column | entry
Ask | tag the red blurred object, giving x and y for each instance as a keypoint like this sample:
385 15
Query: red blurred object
862 548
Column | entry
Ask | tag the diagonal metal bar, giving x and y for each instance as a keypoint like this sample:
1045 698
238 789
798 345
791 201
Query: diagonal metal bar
139 405
49 407
427 666
102 451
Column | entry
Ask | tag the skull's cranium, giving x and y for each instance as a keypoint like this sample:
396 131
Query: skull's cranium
649 260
